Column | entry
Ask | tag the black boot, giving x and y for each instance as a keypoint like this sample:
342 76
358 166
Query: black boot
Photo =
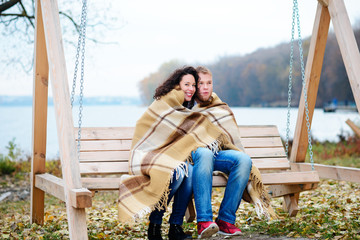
176 233
154 232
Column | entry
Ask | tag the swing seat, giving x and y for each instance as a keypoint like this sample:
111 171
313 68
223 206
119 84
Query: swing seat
105 152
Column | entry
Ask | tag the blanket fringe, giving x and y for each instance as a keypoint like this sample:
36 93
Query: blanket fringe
182 168
260 198
162 203
215 146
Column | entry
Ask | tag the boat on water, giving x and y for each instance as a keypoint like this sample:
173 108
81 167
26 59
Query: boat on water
340 106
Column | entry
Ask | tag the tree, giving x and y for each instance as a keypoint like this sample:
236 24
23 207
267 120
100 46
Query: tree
148 85
17 24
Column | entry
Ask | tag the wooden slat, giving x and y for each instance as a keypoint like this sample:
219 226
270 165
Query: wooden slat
104 168
122 167
99 184
332 172
258 131
103 133
261 163
104 156
105 145
265 152
289 178
262 142
271 163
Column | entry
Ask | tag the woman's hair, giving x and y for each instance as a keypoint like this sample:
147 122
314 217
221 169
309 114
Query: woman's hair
174 80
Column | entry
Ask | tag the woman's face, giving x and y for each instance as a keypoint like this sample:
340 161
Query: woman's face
188 85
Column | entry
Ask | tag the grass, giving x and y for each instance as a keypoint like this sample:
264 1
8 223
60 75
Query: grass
332 211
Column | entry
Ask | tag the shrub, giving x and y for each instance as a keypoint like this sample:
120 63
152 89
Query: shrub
6 165
7 162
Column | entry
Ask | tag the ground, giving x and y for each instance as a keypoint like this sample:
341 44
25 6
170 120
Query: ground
330 212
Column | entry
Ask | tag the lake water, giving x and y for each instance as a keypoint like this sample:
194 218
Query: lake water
15 122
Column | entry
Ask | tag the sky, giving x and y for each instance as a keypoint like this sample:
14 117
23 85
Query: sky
150 33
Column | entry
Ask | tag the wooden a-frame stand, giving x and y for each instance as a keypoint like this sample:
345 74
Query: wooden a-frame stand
49 57
336 11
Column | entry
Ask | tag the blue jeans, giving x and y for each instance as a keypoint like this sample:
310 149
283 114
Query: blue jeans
235 164
181 190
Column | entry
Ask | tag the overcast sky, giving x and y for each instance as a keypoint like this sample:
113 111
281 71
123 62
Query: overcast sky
195 31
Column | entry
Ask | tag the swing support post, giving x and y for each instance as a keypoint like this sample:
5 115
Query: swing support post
312 78
40 102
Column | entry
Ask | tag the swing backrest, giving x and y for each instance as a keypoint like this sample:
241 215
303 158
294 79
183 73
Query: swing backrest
105 152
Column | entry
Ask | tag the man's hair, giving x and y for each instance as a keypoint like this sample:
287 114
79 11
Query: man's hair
203 70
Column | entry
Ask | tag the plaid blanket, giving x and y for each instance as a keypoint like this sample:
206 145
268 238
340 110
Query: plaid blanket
164 138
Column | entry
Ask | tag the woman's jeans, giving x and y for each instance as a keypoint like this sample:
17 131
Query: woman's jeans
234 163
181 190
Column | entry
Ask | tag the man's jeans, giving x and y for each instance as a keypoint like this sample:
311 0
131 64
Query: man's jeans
235 164
181 190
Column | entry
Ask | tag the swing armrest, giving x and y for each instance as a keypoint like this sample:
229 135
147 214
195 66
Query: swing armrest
80 198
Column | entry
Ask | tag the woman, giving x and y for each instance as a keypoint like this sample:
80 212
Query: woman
160 168
181 186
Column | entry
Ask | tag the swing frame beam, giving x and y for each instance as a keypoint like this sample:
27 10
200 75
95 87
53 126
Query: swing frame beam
49 59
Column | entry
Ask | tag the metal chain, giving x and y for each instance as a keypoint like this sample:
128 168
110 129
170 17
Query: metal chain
296 11
290 82
80 47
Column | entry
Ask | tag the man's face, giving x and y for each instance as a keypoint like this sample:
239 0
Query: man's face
205 87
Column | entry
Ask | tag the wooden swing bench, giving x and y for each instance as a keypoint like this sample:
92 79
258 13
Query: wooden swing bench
105 152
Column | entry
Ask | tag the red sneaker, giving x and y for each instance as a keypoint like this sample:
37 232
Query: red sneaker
227 228
207 229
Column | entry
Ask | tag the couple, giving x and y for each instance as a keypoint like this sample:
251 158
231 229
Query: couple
185 135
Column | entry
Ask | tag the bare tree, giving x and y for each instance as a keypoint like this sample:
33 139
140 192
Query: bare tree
17 25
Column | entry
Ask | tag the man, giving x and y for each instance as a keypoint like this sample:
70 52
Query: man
236 164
